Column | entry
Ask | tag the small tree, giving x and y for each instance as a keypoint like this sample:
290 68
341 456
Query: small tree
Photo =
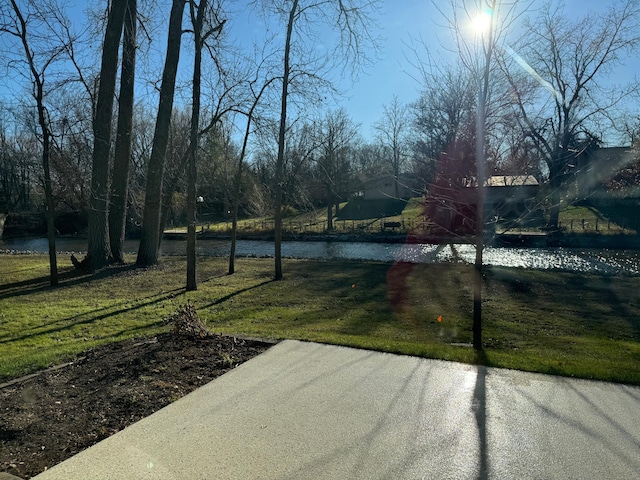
15 24
392 132
476 53
300 18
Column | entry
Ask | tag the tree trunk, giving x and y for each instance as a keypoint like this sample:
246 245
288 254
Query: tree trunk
396 172
192 177
329 209
149 244
238 181
555 183
281 134
122 160
48 193
98 251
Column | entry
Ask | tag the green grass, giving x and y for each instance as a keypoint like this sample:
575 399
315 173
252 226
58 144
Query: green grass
572 218
562 323
583 219
315 221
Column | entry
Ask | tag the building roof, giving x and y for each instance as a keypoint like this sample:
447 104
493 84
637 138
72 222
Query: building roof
511 181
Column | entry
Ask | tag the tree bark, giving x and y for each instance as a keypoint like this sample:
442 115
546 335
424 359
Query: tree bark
98 251
192 177
281 135
555 183
329 208
122 160
149 244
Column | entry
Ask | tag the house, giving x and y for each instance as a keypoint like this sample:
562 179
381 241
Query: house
510 196
384 187
452 206
608 172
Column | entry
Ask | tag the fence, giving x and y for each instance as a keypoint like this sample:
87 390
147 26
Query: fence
595 225
400 225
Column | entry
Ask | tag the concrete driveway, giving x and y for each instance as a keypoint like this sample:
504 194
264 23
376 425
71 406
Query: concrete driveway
311 411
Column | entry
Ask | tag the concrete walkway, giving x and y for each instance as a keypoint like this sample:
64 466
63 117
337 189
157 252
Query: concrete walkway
310 411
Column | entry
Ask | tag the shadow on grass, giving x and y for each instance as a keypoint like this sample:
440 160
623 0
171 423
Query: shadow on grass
570 304
66 278
237 292
76 320
625 216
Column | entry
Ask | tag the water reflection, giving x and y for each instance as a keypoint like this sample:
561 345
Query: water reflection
607 262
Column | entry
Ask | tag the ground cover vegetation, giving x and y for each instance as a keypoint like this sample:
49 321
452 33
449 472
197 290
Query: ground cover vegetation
298 157
554 322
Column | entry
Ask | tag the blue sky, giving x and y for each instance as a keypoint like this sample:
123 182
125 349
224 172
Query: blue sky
402 22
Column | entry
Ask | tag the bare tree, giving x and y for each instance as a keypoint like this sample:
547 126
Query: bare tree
556 72
392 132
337 133
492 19
301 18
197 19
444 109
237 182
14 23
149 242
99 250
122 159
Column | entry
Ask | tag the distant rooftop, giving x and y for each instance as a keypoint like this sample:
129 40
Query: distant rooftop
511 181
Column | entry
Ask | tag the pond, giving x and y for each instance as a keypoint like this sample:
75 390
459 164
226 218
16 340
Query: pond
601 261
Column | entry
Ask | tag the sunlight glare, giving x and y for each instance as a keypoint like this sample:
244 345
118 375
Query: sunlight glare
481 22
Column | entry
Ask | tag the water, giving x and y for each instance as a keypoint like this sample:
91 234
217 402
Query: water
603 261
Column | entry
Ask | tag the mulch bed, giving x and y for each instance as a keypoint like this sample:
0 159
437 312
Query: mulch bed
49 417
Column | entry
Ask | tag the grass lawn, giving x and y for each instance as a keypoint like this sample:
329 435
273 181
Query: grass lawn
580 219
562 323
315 221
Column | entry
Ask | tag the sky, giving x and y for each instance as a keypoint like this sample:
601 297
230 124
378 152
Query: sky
402 22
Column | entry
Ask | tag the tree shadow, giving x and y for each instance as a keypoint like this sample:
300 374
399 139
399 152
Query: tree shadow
621 214
76 320
479 407
67 278
223 299
617 442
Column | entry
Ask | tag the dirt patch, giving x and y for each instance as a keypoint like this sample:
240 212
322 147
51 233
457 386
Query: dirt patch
49 417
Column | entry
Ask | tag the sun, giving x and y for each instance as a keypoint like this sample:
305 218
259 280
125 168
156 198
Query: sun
482 21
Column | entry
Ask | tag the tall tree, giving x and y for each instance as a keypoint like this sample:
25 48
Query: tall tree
557 79
392 132
197 19
491 20
337 133
98 249
122 159
200 37
149 241
237 181
352 20
17 26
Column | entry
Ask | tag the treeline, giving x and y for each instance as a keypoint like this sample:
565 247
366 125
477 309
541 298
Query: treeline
232 130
